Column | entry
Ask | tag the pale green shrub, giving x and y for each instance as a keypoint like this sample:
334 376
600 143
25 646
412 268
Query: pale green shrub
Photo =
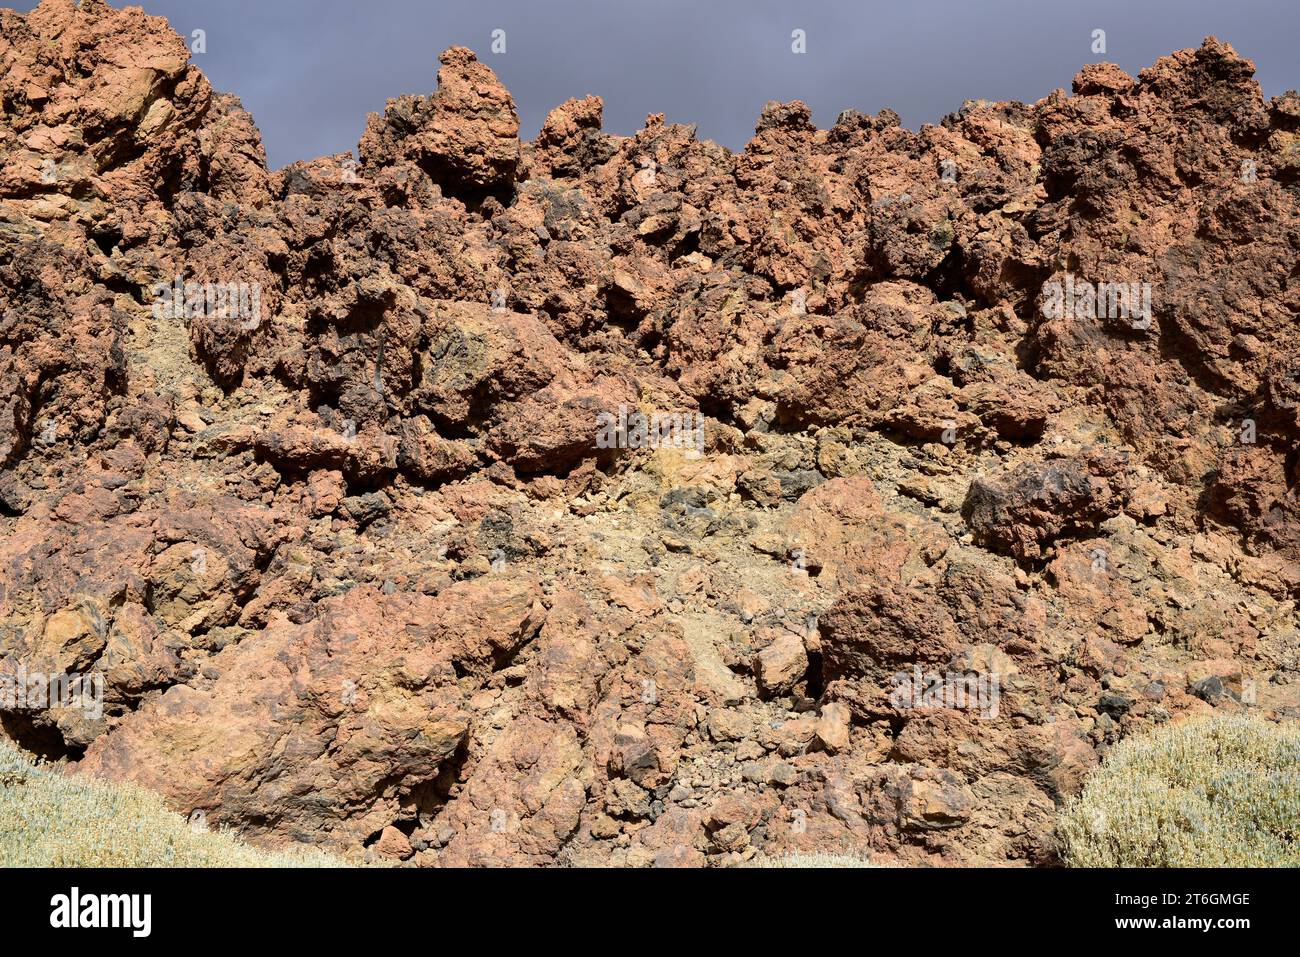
50 819
1210 792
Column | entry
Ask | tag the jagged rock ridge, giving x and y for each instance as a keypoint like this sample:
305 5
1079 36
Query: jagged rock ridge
303 465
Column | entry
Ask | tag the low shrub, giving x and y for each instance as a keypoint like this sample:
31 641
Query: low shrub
52 819
1209 792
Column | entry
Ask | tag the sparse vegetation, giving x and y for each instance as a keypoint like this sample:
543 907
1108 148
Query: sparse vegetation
1217 792
51 819
814 860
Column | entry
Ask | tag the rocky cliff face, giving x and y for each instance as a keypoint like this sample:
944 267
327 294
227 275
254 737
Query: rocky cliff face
623 500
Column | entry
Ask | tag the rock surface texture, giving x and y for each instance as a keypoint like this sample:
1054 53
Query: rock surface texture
346 532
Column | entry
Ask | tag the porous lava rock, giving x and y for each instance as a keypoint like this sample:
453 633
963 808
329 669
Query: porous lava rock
618 500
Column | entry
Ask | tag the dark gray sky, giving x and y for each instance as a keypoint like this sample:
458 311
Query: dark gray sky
310 70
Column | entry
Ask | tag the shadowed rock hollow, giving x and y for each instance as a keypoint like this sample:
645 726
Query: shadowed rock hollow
1012 398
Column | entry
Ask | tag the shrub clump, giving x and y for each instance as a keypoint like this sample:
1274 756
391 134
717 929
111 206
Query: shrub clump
52 819
1211 792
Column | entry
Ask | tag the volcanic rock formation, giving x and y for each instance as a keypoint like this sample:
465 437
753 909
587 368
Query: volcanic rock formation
305 467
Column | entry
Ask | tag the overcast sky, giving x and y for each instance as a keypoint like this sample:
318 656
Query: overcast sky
310 70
